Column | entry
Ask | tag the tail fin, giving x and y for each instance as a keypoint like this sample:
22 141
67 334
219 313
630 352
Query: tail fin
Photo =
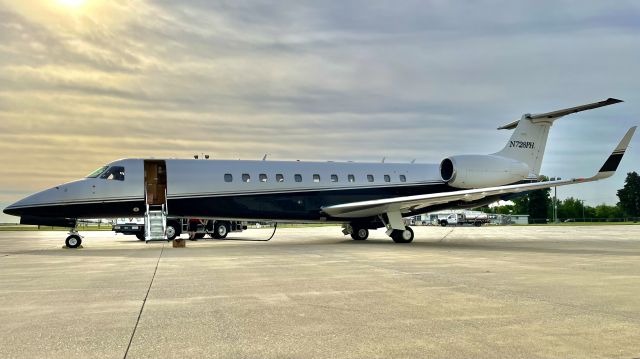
529 138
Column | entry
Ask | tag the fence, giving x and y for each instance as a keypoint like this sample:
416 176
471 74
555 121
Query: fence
584 220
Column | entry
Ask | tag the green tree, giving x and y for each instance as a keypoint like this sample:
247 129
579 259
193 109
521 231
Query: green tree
521 204
537 204
629 195
570 208
506 209
608 212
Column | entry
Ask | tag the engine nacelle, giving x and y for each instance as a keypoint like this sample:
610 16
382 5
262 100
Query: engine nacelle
476 171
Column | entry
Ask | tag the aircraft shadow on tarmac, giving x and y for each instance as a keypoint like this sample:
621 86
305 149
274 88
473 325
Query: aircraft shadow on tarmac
616 248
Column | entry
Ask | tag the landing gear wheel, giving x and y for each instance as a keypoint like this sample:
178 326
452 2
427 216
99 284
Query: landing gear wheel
360 234
73 241
405 236
220 230
140 236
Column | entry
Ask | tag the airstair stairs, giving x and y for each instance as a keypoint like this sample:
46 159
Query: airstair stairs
155 223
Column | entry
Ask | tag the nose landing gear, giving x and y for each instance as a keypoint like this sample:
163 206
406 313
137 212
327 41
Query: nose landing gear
74 240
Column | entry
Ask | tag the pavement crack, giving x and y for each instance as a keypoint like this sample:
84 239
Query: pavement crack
445 236
144 301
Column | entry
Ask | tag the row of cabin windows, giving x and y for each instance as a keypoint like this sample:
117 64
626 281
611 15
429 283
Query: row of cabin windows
262 177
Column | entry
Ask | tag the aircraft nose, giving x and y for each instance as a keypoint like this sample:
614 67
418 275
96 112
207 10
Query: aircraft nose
18 208
11 210
27 205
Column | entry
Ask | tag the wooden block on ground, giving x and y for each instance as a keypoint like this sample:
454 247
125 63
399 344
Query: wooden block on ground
179 243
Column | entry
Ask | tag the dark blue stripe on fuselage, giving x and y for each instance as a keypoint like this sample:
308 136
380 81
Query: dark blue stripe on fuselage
304 205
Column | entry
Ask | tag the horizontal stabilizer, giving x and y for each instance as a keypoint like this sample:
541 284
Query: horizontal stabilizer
559 113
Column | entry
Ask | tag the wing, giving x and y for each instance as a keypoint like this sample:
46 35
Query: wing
412 203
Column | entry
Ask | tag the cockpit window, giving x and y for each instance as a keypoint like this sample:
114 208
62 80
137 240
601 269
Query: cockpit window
97 172
115 173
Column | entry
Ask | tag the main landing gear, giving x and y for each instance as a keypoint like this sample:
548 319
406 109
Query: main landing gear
400 236
360 233
357 231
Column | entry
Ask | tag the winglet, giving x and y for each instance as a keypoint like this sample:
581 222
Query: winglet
611 164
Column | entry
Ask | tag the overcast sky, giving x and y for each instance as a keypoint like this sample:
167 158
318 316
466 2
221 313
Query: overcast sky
83 85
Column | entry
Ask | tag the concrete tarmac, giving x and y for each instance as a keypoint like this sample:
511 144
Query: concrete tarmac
489 292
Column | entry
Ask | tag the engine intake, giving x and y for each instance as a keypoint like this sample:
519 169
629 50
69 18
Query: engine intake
476 171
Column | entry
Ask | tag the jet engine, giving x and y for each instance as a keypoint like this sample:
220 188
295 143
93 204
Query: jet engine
477 171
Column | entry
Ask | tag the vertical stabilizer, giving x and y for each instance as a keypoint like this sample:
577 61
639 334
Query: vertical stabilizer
527 144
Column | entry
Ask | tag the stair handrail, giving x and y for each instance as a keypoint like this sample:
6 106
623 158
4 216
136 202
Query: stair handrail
147 228
164 222
166 201
147 224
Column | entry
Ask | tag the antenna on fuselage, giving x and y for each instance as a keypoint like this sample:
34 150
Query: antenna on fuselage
206 157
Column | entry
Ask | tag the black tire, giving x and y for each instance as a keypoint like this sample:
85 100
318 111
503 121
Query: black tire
360 234
444 223
220 230
477 224
405 236
73 241
173 230
140 236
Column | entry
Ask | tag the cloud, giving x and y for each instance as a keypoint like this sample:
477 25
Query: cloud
334 80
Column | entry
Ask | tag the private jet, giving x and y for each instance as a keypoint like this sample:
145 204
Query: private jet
360 196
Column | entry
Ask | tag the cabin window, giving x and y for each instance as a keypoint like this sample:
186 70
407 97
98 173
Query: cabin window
351 178
228 177
115 173
316 178
279 177
403 178
370 178
246 177
262 177
334 178
387 178
298 178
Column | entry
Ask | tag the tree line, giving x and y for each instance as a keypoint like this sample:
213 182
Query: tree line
539 205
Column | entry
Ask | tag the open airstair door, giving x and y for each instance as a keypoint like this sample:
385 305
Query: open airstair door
155 189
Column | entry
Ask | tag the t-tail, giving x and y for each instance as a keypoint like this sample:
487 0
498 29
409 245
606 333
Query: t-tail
530 134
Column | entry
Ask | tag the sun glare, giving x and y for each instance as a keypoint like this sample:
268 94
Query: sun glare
72 3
